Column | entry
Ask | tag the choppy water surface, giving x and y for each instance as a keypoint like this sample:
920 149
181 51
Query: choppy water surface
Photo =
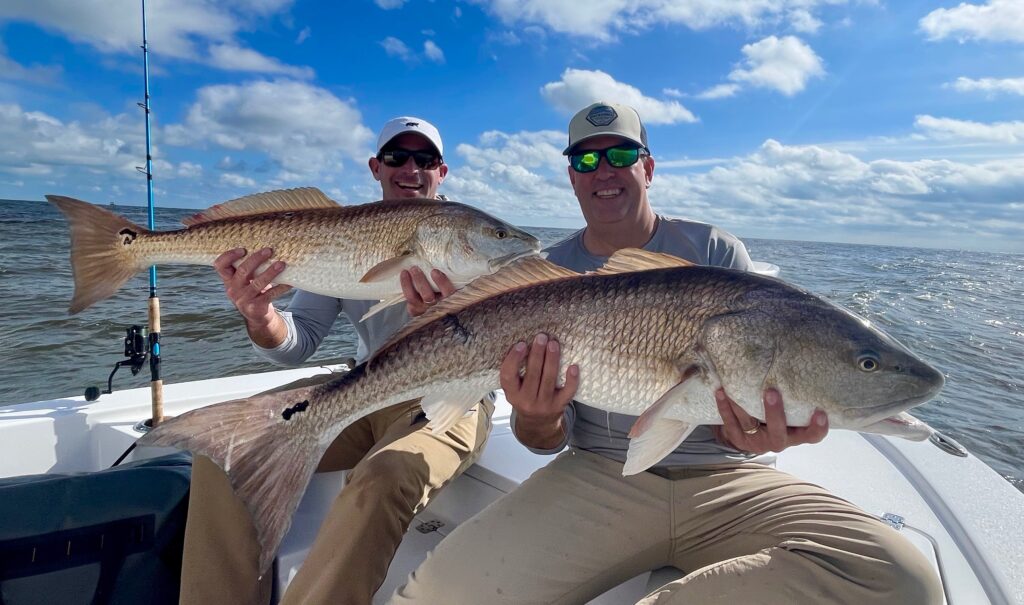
963 311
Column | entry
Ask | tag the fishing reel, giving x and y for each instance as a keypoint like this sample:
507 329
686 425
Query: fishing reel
136 352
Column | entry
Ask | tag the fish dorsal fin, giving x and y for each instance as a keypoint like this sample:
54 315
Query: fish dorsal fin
281 200
635 259
524 272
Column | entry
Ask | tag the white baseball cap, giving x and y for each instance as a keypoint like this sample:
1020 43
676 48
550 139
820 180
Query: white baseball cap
404 124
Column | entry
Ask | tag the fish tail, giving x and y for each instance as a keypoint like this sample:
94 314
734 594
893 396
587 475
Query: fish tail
261 445
101 260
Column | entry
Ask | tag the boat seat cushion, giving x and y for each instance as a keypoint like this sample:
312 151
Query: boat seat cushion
113 536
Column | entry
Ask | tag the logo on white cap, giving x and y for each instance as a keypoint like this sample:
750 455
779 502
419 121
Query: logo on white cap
602 115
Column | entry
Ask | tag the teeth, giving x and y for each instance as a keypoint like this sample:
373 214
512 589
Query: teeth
608 192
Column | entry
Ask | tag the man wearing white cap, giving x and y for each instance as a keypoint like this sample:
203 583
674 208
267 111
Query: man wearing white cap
396 464
740 531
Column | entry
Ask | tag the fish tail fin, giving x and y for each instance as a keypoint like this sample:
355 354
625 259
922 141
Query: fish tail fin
260 445
100 257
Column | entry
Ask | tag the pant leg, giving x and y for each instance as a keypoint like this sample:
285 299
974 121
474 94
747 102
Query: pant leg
756 535
350 557
221 553
570 532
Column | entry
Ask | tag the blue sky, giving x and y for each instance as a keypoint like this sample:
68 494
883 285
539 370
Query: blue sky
836 120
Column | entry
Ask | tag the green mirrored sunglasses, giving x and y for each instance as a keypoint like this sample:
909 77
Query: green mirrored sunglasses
619 157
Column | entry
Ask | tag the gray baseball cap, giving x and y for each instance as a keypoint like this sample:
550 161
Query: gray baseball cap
603 118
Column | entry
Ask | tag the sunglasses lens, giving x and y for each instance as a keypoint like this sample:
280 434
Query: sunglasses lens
395 158
426 159
620 158
585 162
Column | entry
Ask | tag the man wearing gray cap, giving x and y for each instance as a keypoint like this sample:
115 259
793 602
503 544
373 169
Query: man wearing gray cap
396 464
740 531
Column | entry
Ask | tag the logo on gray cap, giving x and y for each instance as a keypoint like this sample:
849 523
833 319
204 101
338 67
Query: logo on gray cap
602 115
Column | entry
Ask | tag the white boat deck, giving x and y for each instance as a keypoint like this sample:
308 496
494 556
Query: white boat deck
958 511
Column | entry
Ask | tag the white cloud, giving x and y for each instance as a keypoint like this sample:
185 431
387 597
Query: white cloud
180 29
303 35
950 129
236 180
33 142
190 170
997 20
389 4
672 92
989 85
784 64
603 18
303 129
433 52
803 21
720 91
579 87
396 48
523 171
234 58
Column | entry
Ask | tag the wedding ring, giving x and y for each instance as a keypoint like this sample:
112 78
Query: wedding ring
753 429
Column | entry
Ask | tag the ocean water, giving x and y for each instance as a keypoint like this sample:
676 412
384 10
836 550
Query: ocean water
962 311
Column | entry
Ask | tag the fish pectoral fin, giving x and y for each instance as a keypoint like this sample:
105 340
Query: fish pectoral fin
447 407
656 442
390 268
905 426
677 394
384 304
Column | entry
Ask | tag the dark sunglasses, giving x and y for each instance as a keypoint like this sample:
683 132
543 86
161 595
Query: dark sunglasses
428 160
619 157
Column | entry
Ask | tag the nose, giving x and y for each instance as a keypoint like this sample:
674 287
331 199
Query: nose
604 170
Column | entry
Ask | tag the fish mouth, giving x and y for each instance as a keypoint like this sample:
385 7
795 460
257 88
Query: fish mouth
875 413
501 261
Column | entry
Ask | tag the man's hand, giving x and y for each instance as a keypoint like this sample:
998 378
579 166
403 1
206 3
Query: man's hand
535 395
419 294
747 434
253 293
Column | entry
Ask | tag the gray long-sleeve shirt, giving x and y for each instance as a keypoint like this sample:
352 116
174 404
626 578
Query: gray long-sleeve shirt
310 316
606 433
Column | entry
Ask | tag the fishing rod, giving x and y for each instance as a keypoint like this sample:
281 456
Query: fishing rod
136 349
156 382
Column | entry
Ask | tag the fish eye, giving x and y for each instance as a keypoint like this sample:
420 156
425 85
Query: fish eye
500 233
868 362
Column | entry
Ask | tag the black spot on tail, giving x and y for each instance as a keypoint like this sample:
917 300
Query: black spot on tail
295 409
128 236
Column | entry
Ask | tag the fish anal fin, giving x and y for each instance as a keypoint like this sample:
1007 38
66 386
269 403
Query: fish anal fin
628 260
522 273
282 200
268 465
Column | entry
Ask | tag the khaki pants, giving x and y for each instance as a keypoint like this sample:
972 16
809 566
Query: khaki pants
743 533
397 466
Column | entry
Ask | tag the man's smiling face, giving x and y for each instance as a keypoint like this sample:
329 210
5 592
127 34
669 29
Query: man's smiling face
408 180
609 195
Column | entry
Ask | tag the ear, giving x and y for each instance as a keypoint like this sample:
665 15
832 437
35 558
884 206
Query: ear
374 164
442 171
572 175
649 169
